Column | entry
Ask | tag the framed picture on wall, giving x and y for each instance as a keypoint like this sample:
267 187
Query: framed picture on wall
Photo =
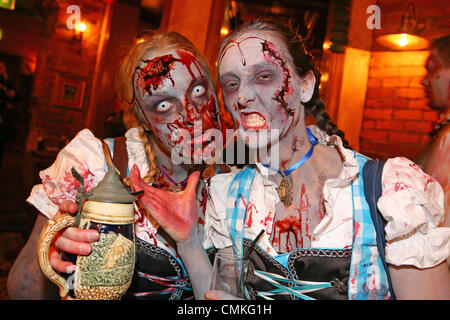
69 92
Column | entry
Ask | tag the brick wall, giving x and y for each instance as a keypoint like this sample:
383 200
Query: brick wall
396 117
60 56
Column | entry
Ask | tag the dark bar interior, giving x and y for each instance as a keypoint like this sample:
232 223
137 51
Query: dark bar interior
59 60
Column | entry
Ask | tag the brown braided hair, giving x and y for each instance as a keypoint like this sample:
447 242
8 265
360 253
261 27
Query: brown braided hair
303 63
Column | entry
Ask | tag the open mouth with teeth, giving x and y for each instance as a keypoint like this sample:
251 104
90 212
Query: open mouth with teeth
253 121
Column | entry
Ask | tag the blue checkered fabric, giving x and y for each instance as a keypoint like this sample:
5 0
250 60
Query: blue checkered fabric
236 211
367 279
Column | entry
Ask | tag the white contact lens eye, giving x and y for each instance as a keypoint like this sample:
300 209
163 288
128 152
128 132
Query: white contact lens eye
163 106
198 91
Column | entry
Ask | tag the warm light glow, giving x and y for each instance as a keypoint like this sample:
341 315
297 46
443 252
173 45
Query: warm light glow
224 31
403 41
81 27
326 45
139 41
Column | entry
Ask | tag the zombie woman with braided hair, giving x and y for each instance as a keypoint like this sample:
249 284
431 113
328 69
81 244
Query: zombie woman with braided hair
167 85
307 191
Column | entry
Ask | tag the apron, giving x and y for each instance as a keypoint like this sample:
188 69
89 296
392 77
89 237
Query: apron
313 273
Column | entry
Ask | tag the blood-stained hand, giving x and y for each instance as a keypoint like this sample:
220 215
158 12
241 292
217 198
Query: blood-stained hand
175 212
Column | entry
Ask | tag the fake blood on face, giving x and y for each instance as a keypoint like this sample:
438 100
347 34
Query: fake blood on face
209 117
153 74
188 59
206 112
281 94
156 70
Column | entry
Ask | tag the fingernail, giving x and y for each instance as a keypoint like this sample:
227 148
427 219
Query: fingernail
86 249
70 269
93 236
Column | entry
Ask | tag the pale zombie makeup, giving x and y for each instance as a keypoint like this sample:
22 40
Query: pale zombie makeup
437 83
261 89
177 102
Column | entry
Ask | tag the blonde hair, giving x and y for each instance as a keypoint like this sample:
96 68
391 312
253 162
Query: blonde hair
146 42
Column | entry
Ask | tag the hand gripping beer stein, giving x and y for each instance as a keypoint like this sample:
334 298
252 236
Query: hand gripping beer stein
107 272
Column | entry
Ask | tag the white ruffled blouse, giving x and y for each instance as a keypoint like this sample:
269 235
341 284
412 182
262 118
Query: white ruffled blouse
85 153
411 202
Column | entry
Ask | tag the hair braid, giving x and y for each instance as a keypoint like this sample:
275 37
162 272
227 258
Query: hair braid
316 108
151 156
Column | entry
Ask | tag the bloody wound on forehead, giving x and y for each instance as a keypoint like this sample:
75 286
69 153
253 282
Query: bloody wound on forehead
271 50
155 71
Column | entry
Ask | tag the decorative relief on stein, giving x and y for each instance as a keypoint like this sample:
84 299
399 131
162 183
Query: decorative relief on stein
107 272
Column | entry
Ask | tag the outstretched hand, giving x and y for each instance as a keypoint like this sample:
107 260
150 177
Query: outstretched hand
175 212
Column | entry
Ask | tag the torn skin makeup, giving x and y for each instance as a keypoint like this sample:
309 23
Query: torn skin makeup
277 96
174 96
437 83
257 89
272 53
155 71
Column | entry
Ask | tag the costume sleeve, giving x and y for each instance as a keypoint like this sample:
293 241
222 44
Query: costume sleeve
85 154
412 204
216 225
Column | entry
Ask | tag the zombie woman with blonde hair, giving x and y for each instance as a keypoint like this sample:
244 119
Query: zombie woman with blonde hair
325 234
167 86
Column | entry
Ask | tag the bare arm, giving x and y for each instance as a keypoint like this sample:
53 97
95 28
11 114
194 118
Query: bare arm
197 264
25 279
411 283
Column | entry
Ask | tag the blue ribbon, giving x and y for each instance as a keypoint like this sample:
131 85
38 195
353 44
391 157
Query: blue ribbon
303 159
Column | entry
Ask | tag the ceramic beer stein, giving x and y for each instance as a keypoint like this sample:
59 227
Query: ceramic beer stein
107 272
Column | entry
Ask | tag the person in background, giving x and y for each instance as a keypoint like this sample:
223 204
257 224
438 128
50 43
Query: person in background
435 159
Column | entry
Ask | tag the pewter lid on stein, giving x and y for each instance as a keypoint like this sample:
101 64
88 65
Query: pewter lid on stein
111 189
